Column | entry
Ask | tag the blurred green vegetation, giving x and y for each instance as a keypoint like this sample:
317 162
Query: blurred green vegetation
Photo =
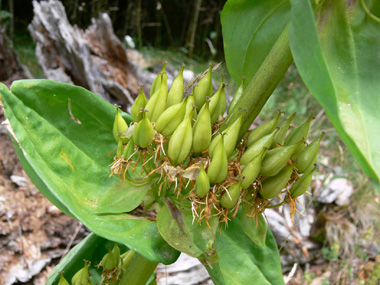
26 50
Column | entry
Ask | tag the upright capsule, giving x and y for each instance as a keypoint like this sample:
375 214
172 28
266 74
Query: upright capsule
216 103
301 185
175 95
157 103
279 137
252 170
297 134
156 85
62 280
181 141
263 130
308 156
203 89
230 199
109 261
190 103
257 147
202 184
143 132
218 168
275 159
231 135
237 95
272 186
170 119
82 277
139 104
119 127
202 130
129 149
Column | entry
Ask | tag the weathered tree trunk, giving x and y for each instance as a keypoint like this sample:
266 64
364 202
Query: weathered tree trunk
10 67
94 59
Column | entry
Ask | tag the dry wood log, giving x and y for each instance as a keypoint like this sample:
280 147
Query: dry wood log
94 58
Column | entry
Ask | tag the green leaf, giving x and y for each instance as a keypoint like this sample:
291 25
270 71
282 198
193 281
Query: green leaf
256 230
241 261
65 135
92 248
122 197
38 182
194 239
250 29
342 70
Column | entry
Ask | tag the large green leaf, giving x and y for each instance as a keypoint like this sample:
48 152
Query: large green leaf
244 262
184 234
92 248
122 197
65 134
250 29
342 70
255 228
38 182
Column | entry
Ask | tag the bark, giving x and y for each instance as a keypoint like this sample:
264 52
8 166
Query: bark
94 59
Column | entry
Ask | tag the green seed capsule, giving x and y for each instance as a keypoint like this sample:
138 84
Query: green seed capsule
156 85
308 156
203 89
129 149
62 280
263 130
302 184
222 104
297 134
119 149
190 103
215 141
256 148
231 135
181 141
143 133
252 170
202 184
218 169
230 199
119 127
82 277
272 186
279 137
157 103
170 119
126 259
202 130
139 104
109 261
116 252
175 95
276 158
237 96
215 104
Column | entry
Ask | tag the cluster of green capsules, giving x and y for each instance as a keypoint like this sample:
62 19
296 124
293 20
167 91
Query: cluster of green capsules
114 266
178 140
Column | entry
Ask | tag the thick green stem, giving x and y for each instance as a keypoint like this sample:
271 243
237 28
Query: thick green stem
139 270
263 83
